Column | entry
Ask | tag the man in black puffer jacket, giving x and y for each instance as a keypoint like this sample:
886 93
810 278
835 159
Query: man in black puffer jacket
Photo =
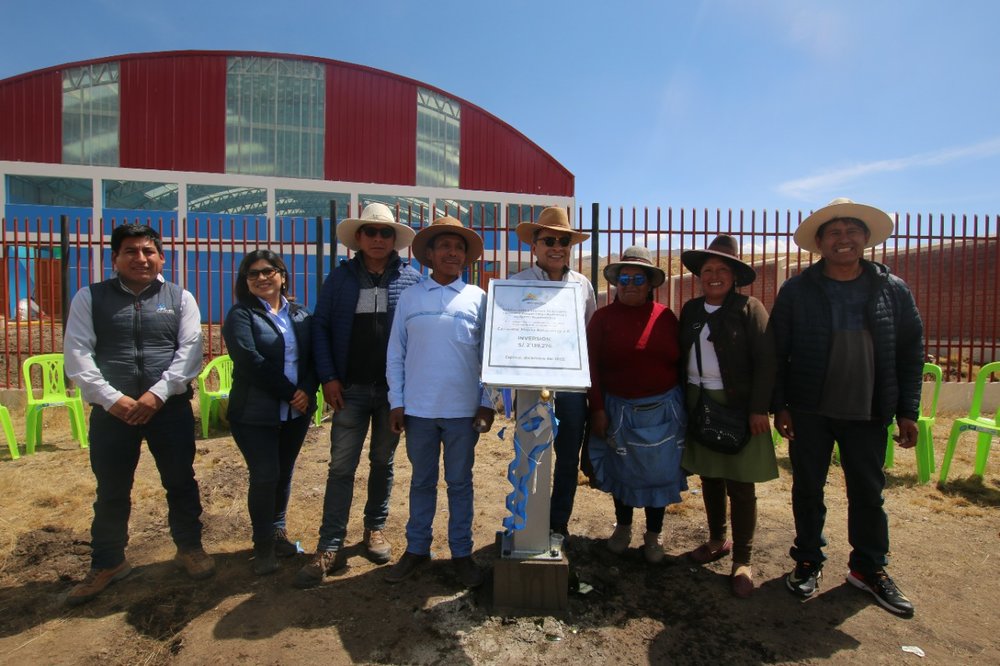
850 356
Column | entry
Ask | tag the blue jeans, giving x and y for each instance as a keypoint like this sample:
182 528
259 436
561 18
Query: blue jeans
424 440
363 404
571 410
114 455
862 455
270 452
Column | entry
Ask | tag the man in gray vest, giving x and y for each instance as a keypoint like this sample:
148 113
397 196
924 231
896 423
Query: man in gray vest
133 345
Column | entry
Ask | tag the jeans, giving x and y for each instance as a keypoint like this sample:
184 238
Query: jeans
114 455
862 455
571 410
270 452
363 404
424 440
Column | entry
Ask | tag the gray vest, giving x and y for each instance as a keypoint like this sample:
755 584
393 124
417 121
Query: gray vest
136 335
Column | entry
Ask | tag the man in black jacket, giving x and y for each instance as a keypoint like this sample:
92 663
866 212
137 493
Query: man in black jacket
850 357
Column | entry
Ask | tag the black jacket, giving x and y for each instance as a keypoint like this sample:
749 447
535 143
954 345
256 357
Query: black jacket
743 345
802 324
258 351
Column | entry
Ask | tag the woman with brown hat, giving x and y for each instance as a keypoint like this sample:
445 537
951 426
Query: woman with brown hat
636 403
729 355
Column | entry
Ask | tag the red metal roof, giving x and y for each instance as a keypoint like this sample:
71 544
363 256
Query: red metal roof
172 117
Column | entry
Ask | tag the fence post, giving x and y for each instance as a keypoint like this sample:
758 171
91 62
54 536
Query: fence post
320 250
64 269
595 245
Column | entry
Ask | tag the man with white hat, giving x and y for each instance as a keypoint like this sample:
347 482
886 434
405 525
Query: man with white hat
850 357
550 238
433 368
350 335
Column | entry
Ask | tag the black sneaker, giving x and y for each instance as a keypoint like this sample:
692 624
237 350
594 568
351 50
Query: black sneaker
804 580
884 590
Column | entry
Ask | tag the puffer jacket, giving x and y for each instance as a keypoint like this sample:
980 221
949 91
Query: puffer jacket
334 317
801 321
257 348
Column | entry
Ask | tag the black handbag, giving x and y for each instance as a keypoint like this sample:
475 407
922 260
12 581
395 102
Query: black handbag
716 426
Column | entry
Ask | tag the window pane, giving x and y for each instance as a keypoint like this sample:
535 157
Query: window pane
438 139
275 117
90 115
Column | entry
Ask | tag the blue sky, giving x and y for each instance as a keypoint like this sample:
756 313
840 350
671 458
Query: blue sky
770 104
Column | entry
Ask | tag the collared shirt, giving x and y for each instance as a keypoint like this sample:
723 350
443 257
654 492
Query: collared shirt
587 298
79 342
283 321
435 350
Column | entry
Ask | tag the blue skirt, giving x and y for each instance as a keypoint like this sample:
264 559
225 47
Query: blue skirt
639 462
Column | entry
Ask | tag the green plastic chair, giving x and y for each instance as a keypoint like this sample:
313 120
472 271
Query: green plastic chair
320 405
925 424
987 427
8 431
54 394
210 399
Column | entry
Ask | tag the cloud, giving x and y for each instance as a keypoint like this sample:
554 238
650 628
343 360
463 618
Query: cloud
810 187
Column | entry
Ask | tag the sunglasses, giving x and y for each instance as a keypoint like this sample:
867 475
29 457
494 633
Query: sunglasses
384 232
550 241
638 280
265 273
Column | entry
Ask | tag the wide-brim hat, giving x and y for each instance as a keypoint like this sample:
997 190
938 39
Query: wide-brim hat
636 256
374 213
878 222
726 248
554 218
447 225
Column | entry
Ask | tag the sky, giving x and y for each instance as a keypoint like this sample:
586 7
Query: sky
722 104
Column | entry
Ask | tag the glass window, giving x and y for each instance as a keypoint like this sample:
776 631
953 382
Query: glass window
275 117
90 115
438 139
136 195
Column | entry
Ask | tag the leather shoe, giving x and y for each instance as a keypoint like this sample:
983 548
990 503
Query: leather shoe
406 567
704 554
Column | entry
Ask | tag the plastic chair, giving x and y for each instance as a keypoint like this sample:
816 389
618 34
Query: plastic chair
209 399
987 427
925 424
320 406
54 394
8 431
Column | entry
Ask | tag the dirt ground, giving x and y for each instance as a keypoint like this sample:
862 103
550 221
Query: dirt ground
945 543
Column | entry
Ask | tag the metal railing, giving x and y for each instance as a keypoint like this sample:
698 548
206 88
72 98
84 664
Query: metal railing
949 261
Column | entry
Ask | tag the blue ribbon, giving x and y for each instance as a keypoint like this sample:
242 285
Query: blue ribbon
530 420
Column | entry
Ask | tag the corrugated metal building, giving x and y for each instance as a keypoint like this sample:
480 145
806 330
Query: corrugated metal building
192 140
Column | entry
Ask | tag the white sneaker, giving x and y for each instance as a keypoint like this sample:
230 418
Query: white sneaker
652 547
620 539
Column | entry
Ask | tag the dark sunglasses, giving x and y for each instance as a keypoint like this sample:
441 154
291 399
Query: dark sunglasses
384 232
638 280
550 241
265 273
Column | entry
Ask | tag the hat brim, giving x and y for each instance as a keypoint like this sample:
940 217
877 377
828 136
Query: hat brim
347 231
526 233
693 260
611 272
879 224
473 243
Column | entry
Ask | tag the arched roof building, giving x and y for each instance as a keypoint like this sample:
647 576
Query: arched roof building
192 140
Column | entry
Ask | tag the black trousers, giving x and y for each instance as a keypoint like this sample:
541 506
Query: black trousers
862 456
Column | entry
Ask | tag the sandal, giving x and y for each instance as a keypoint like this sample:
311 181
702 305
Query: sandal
741 581
704 554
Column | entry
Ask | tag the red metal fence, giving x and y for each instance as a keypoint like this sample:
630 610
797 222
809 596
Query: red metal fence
949 261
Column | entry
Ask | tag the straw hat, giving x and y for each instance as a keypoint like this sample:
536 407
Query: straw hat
447 225
374 213
878 223
636 256
554 218
727 248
